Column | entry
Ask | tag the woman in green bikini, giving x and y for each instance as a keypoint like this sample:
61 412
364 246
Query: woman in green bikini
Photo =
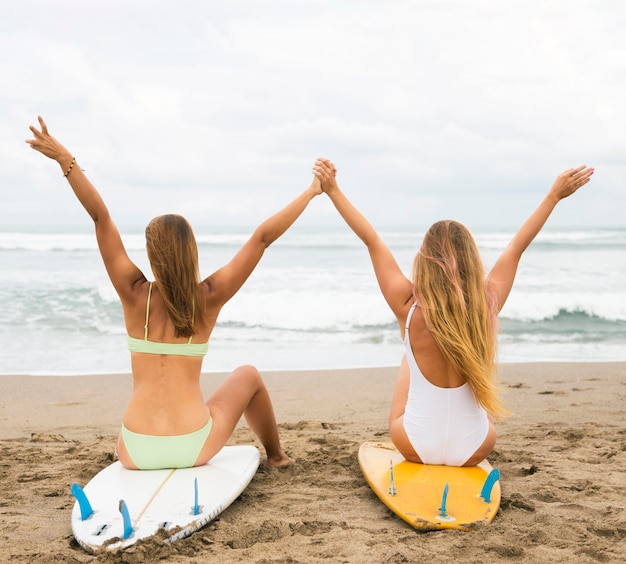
168 423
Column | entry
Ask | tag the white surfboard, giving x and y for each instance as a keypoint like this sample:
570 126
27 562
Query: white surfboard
118 506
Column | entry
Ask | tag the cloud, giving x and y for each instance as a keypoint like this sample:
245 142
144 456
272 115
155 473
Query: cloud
443 108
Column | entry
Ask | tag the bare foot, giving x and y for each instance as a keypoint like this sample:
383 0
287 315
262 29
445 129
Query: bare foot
280 460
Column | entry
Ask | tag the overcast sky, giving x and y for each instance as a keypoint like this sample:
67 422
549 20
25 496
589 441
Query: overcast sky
444 108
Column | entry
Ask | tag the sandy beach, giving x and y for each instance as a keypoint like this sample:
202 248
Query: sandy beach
562 458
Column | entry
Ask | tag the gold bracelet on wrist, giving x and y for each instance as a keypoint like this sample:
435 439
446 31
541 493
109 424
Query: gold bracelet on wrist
71 167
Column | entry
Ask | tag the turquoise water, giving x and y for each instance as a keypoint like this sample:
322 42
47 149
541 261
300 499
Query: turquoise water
312 303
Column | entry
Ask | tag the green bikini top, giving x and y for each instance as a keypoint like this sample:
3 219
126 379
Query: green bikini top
153 347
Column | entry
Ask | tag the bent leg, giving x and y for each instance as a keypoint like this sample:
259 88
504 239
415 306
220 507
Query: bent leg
244 393
122 454
396 416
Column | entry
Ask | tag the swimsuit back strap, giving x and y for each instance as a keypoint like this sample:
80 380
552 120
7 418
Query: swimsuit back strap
193 319
145 327
409 315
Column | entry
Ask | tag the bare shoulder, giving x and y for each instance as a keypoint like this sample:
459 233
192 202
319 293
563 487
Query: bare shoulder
402 308
212 301
134 306
136 292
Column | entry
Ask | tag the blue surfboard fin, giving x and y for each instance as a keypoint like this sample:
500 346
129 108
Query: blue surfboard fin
196 507
493 477
444 500
83 502
128 526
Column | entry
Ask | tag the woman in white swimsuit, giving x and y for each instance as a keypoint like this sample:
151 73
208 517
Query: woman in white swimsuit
446 400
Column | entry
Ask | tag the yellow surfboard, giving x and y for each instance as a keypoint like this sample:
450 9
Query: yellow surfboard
431 497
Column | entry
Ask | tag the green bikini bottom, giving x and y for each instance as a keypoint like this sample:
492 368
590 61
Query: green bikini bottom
154 452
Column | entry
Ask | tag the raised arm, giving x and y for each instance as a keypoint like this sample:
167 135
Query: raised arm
501 277
122 271
395 287
226 281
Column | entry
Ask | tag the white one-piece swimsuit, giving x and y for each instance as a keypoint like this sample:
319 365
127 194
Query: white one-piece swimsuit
444 425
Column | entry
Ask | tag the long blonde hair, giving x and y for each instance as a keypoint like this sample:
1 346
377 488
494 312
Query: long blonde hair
449 284
173 254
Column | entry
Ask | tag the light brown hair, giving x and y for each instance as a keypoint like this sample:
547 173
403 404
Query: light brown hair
449 284
173 254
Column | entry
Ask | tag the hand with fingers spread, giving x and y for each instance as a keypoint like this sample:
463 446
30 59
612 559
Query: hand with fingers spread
571 180
48 145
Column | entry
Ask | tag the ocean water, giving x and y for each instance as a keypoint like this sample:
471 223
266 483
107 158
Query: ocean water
312 303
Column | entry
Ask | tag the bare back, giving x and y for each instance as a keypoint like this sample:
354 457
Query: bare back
432 364
167 398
